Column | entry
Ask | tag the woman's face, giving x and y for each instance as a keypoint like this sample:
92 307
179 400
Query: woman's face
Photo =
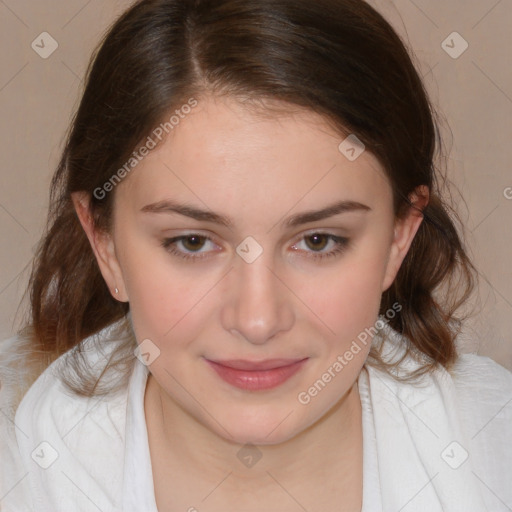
260 284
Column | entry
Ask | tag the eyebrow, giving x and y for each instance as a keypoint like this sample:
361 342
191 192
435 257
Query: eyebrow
170 206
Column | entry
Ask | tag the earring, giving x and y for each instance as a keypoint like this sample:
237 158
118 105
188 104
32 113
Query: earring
117 291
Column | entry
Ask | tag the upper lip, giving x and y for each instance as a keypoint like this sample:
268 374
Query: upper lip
269 364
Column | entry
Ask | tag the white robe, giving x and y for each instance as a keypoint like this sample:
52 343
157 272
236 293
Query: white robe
444 446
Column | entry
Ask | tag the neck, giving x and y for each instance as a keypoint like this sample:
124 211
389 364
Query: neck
332 445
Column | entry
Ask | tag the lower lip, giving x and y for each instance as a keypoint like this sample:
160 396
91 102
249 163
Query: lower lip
256 380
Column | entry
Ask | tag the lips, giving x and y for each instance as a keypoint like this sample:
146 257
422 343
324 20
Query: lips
269 364
256 375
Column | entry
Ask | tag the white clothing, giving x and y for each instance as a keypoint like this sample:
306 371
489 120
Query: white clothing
444 446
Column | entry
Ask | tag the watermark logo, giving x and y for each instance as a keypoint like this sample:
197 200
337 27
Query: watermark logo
249 250
454 455
454 45
249 455
147 352
352 148
44 455
44 45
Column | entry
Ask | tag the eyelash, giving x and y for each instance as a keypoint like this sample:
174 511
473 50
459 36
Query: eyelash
342 244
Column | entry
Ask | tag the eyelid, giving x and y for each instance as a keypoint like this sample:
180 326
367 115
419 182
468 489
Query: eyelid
177 233
321 231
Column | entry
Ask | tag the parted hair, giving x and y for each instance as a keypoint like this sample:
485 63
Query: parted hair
338 58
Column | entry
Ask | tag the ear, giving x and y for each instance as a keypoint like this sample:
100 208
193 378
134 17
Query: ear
102 245
404 232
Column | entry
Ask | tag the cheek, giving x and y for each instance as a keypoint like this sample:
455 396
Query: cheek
159 295
348 299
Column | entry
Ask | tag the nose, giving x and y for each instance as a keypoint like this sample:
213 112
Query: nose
258 306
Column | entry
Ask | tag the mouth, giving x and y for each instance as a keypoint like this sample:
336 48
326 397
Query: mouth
256 376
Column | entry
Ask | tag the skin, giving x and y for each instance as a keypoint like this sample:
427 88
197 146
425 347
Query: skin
258 171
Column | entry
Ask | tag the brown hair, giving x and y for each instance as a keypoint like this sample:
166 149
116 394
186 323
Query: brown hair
338 58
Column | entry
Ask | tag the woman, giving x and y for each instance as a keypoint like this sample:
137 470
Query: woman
237 303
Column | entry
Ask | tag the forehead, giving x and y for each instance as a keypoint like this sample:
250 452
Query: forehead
225 153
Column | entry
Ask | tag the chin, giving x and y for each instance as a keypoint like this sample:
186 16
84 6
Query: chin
258 437
254 428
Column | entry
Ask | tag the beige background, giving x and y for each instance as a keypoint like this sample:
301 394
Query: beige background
473 91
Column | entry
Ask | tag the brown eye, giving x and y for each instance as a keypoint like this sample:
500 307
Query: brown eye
193 242
319 241
192 245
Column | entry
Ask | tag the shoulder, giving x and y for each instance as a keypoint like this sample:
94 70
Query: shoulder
14 372
484 392
476 388
49 401
76 435
482 371
463 412
11 388
473 368
476 379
